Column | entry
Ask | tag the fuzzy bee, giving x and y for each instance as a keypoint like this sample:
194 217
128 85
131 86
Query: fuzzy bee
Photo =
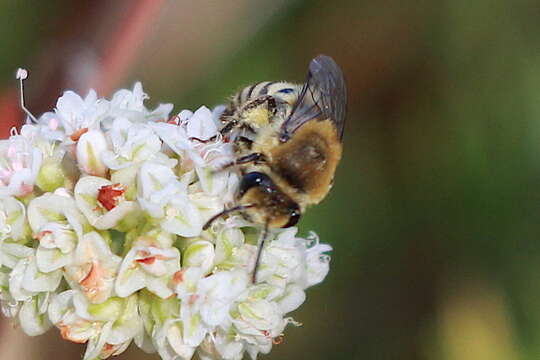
288 143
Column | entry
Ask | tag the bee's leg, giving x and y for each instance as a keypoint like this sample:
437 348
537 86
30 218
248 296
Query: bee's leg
225 212
234 122
259 253
253 157
269 100
244 143
229 126
213 138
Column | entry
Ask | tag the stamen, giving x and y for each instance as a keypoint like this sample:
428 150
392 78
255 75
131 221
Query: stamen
21 75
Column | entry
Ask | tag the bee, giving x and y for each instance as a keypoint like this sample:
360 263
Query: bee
288 143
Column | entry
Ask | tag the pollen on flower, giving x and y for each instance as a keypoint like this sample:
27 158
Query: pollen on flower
178 277
120 241
40 235
77 134
174 120
110 195
148 261
92 284
193 299
65 332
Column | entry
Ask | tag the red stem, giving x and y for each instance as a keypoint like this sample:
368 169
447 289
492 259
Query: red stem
120 53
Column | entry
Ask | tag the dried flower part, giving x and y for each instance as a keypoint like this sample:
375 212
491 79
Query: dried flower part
109 195
102 206
77 134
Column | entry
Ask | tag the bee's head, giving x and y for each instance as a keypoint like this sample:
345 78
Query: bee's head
270 204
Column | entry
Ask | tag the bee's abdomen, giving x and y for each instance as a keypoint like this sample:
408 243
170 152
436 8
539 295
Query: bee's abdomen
302 164
307 162
251 92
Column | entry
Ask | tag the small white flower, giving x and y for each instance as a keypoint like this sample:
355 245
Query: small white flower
147 265
191 140
199 254
206 301
221 345
129 104
94 269
48 128
131 143
57 224
165 198
108 327
257 322
77 114
19 165
12 252
91 148
293 297
201 125
46 138
103 202
227 241
169 342
13 222
33 315
281 260
72 324
317 262
25 280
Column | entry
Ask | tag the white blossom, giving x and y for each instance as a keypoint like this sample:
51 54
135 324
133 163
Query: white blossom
164 196
129 104
103 202
206 301
94 269
57 225
77 114
131 143
19 166
102 207
148 266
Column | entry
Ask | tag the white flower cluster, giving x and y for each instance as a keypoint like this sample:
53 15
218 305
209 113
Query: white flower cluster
102 206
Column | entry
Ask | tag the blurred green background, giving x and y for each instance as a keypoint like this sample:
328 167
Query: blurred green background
434 214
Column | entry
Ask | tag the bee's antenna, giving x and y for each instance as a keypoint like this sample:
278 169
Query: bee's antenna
21 75
225 212
259 253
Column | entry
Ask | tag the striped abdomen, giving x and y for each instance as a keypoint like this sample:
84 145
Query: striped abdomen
279 89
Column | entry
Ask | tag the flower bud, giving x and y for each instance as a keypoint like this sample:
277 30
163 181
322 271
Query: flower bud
109 310
89 149
200 254
50 176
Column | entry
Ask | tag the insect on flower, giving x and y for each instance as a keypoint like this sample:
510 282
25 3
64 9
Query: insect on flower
288 143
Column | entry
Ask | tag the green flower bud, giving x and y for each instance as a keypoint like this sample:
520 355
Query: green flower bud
109 310
51 175
200 253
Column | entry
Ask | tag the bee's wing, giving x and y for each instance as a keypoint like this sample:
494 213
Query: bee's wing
323 96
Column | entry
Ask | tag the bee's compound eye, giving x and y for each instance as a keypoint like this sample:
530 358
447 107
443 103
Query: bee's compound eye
252 179
286 91
294 216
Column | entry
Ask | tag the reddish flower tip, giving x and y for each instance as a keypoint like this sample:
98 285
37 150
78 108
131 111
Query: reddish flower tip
108 195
